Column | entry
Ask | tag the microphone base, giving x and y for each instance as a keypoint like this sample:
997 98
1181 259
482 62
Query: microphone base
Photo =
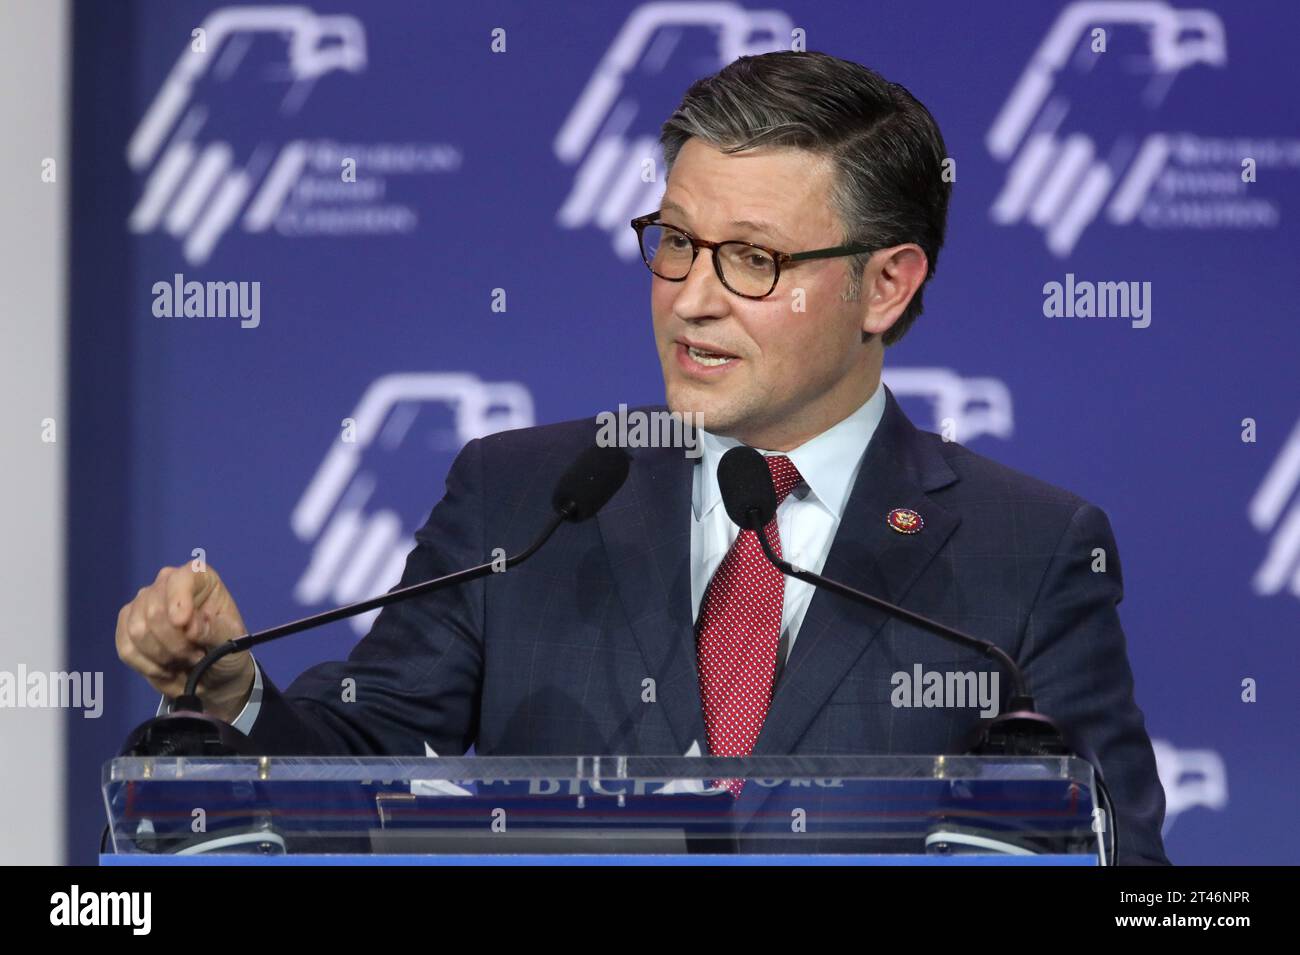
186 733
1020 733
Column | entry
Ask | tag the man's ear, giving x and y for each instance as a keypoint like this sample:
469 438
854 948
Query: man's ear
890 279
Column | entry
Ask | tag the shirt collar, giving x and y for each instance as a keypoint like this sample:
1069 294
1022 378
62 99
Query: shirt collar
829 462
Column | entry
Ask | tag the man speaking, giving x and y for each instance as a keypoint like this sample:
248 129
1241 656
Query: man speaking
804 211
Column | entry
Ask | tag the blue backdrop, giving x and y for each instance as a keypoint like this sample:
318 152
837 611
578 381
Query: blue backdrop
479 274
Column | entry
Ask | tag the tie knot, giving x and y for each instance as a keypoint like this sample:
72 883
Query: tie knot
785 476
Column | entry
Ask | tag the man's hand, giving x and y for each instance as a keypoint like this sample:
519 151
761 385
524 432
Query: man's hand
172 624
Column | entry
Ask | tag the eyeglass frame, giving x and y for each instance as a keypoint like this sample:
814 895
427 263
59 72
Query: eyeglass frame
779 258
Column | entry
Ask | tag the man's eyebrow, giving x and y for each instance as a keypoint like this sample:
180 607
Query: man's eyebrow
760 226
670 206
755 225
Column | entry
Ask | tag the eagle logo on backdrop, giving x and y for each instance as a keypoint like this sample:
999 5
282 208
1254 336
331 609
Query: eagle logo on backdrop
1270 514
1190 778
1061 177
361 508
962 409
211 146
611 135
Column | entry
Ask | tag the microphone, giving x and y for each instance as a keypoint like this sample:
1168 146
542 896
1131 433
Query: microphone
593 478
750 501
590 482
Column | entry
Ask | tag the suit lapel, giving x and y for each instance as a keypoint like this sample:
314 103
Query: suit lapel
899 467
646 529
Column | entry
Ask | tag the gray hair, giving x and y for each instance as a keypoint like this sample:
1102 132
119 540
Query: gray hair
885 147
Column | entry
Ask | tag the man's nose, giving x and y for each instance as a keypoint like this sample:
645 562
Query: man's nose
702 294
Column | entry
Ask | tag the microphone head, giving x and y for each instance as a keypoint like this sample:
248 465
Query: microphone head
590 482
746 485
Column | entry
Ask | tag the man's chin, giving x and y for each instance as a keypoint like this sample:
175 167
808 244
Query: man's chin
710 416
720 411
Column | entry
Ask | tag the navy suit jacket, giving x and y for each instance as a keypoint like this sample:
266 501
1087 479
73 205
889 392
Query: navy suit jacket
549 658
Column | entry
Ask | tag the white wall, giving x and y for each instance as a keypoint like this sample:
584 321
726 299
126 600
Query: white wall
34 89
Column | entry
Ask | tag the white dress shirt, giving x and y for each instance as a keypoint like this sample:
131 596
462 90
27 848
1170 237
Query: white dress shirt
806 520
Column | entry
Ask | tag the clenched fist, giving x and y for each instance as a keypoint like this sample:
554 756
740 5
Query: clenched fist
172 624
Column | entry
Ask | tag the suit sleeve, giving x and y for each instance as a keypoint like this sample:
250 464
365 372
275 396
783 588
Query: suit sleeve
1075 657
416 676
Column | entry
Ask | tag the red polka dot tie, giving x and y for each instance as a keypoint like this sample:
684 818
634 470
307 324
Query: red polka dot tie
738 632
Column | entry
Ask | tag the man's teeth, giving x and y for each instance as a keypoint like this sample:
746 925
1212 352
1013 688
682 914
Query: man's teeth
708 357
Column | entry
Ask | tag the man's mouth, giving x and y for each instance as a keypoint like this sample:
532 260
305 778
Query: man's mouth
710 359
697 356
